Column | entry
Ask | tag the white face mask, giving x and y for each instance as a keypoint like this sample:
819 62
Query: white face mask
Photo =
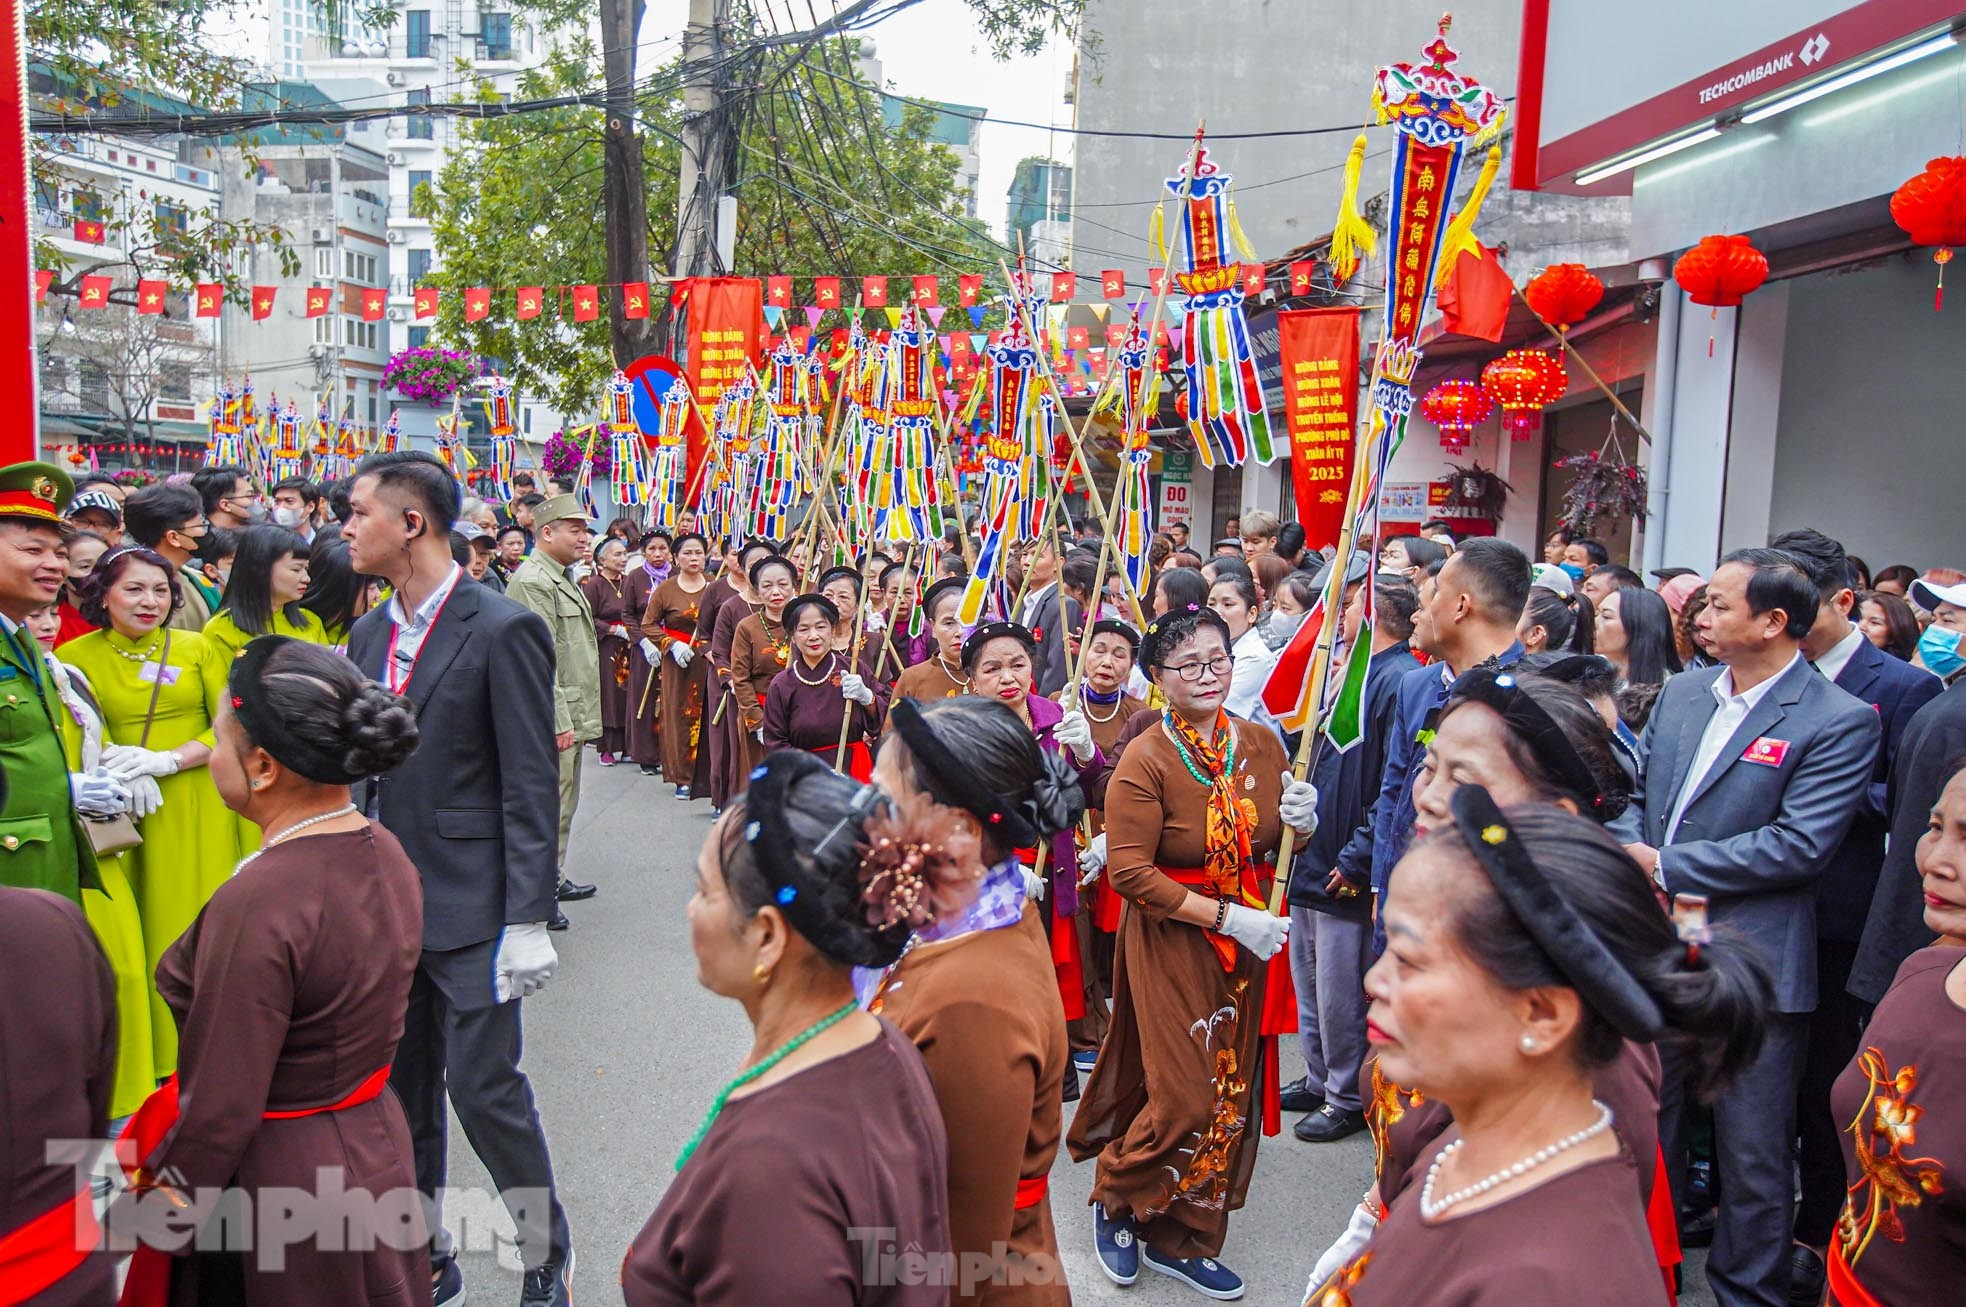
1286 624
285 516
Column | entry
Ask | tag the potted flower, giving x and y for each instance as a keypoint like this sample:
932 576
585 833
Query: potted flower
424 374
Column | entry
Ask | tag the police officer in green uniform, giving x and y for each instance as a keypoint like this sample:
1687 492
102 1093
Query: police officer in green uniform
42 844
544 583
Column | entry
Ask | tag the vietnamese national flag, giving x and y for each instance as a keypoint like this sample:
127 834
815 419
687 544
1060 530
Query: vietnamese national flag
1063 285
477 303
150 296
211 295
635 299
263 302
89 231
1078 338
1474 301
95 292
43 278
778 292
968 287
826 292
1112 284
1303 275
531 300
839 340
318 300
374 304
1252 278
926 292
426 301
873 292
586 303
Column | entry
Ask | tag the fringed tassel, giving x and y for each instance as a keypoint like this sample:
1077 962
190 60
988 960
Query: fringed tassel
1460 238
1243 246
1351 236
1157 235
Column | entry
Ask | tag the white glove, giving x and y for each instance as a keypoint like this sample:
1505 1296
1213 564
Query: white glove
1075 733
145 797
126 762
876 620
1092 858
854 687
1298 806
525 961
98 794
1345 1247
1034 886
649 651
618 630
681 653
1260 932
759 735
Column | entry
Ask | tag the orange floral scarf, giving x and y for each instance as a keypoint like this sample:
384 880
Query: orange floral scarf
1231 816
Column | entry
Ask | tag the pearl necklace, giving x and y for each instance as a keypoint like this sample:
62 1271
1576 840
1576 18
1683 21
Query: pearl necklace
824 677
143 657
963 681
294 829
1430 1209
1085 706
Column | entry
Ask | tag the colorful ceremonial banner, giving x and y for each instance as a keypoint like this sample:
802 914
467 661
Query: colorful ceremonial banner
723 333
1319 352
211 295
150 296
426 302
778 292
873 292
1112 284
318 300
635 299
95 292
531 300
262 302
477 303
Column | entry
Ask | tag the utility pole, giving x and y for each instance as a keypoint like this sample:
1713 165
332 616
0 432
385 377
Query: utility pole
706 145
624 193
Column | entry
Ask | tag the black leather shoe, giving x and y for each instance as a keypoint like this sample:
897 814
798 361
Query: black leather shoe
1298 1096
1808 1277
559 921
1328 1124
1696 1228
572 891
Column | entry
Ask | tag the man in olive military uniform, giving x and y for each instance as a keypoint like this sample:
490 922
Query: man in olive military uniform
544 584
42 843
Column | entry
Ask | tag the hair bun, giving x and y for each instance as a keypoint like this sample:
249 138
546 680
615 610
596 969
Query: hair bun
378 730
1056 801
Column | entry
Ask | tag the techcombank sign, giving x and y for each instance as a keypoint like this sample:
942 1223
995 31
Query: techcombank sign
1600 94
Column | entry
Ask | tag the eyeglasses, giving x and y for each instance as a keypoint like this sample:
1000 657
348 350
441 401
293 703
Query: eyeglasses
1191 672
202 525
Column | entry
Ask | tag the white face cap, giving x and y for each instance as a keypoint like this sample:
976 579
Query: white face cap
1929 596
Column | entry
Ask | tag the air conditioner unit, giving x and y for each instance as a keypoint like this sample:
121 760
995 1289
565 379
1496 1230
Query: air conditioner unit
394 79
323 235
395 235
398 315
395 160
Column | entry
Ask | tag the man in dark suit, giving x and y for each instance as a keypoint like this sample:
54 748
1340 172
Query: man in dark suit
1753 772
1895 690
476 808
1047 613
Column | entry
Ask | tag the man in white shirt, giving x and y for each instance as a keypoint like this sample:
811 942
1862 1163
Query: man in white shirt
1753 772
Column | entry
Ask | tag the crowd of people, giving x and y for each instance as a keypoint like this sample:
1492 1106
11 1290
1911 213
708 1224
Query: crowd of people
1614 927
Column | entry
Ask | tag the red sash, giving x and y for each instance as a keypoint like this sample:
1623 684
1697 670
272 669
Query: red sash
1031 1192
1662 1220
681 637
40 1254
1844 1290
149 1282
1106 904
859 759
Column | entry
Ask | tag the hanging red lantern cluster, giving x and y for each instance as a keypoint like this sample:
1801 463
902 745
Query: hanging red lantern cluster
1456 407
1524 382
1931 207
1563 293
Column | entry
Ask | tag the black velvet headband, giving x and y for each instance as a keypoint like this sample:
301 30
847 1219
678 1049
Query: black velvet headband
799 603
954 784
947 585
247 688
1547 917
1124 630
1522 714
771 560
982 635
833 574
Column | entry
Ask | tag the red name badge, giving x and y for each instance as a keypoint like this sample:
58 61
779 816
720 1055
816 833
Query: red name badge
1766 751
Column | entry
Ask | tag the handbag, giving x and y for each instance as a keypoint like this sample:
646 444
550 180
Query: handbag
110 835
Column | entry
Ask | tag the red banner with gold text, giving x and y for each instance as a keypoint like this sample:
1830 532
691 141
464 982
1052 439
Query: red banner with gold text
724 328
1319 349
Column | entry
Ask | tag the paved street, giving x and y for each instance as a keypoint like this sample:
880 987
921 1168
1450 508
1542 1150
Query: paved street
625 1052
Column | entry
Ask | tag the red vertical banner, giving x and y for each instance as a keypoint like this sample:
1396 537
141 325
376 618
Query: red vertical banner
723 331
20 412
1319 352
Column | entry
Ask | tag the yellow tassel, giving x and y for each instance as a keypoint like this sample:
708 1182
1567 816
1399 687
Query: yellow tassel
1460 236
1351 234
1155 233
1247 250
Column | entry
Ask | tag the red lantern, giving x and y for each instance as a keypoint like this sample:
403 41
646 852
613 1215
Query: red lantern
1456 407
1563 293
1524 382
1931 207
1721 271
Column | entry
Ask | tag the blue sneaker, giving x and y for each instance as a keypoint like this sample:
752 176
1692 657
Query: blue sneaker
1204 1275
1118 1247
447 1286
1084 1060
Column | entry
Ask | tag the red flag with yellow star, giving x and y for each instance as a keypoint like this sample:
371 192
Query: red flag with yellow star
150 295
586 303
263 302
43 278
477 303
374 304
89 231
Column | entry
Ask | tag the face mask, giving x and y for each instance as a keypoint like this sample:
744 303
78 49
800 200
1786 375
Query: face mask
285 516
1938 649
254 510
1574 571
1286 624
